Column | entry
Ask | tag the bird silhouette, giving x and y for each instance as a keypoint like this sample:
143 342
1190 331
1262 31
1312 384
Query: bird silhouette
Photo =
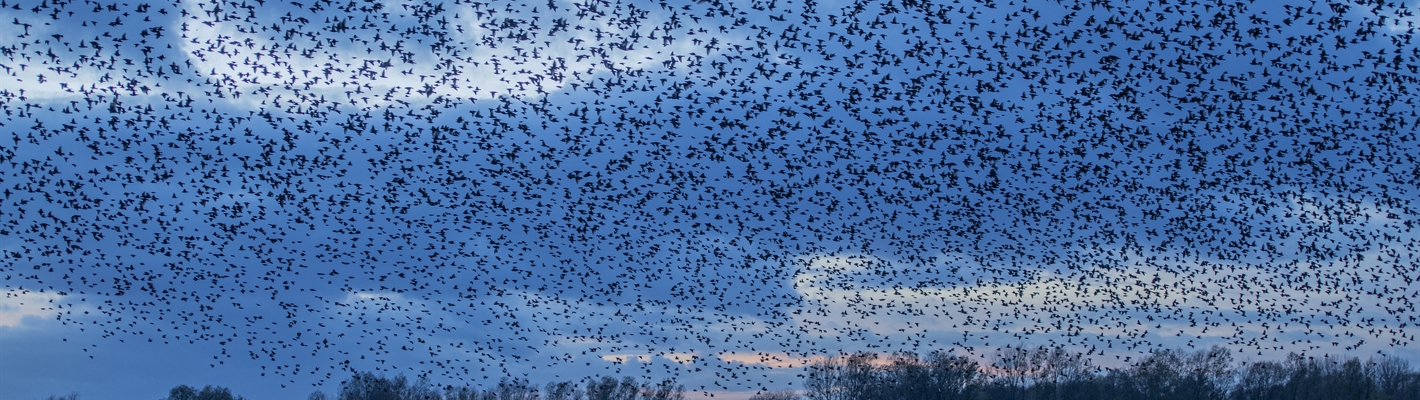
716 190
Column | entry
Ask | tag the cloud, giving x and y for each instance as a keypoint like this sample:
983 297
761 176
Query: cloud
1118 310
622 358
16 305
467 55
681 357
776 359
54 78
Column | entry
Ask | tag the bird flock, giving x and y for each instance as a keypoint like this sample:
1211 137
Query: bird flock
468 190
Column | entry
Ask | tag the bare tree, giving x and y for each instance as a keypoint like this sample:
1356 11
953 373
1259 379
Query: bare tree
628 389
463 393
1260 380
1014 366
1058 367
367 386
902 375
776 395
1053 373
827 380
665 390
560 391
1394 378
952 375
514 389
906 376
608 388
1169 374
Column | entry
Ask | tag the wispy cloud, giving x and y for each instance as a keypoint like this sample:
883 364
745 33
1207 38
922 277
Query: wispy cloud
776 359
467 56
1111 311
16 305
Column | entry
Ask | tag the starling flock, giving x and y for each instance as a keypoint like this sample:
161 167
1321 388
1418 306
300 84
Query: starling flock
468 190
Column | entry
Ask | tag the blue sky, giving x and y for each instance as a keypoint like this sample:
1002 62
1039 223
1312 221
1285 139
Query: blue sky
267 195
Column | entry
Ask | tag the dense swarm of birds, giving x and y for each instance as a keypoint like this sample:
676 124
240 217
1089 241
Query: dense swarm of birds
470 189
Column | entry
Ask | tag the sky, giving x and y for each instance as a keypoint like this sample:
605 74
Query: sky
269 195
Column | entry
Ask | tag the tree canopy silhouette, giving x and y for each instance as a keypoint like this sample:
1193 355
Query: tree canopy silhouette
1046 373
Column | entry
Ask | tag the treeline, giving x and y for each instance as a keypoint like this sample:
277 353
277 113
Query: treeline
179 392
1054 374
367 386
1041 373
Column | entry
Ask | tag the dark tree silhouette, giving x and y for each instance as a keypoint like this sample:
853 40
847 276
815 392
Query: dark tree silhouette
367 386
665 390
209 392
560 391
608 388
1168 375
900 375
1055 374
1394 378
776 395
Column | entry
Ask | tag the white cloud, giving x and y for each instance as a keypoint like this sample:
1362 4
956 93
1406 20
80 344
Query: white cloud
477 63
622 358
681 357
42 78
1166 301
16 305
775 359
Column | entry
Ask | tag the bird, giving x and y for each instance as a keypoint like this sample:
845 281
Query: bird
474 190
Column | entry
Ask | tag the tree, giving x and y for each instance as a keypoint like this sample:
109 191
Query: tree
608 388
953 376
464 393
209 392
665 390
604 389
826 380
776 395
560 391
906 376
216 393
1015 366
1260 381
1171 374
903 375
1394 378
182 392
628 390
1040 371
514 389
1052 373
367 386
840 378
71 396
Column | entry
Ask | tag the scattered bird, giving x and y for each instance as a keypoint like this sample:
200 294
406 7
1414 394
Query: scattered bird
477 189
